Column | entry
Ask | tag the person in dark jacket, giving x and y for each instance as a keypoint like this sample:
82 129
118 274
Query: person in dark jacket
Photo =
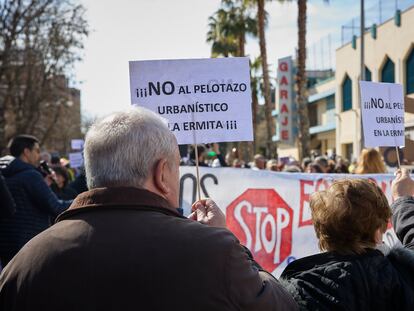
35 201
357 272
123 246
60 186
79 184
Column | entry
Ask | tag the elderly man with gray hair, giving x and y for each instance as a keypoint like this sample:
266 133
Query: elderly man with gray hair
123 246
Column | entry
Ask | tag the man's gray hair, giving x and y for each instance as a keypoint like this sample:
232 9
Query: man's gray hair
122 148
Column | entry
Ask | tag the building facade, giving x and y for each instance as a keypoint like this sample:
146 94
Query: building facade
334 113
389 57
321 108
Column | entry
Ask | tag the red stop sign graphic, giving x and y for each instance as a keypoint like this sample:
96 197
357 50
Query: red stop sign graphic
262 221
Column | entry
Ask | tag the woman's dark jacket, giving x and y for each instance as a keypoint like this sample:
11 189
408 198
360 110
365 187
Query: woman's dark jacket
372 281
377 280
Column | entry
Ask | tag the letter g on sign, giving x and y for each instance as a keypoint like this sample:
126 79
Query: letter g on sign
262 221
283 66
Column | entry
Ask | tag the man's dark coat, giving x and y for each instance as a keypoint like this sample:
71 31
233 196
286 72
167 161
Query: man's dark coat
127 249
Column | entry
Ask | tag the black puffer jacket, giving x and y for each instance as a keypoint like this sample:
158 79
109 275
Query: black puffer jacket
403 220
372 281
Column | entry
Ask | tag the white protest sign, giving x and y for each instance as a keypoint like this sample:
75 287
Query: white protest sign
76 159
77 144
382 106
204 100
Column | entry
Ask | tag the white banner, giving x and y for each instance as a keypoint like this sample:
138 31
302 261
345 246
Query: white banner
269 211
382 106
204 100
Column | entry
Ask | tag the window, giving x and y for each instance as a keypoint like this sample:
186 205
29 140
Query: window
330 102
313 115
347 94
388 72
349 151
409 71
368 76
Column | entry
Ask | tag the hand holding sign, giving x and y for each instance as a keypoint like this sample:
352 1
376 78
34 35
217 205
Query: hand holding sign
207 212
402 185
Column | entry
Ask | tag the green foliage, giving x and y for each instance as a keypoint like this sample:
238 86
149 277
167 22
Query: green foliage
229 26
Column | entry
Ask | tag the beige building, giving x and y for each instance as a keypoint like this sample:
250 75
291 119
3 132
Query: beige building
389 57
322 116
334 113
321 107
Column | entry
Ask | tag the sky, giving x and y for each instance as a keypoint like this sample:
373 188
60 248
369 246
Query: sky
126 30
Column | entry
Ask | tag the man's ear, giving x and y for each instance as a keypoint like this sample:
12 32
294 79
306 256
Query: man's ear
161 176
25 154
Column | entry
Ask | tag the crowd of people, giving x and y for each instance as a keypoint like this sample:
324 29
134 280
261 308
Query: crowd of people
65 181
36 189
123 245
369 162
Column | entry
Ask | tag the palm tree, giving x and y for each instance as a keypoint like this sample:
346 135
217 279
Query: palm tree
301 96
301 81
228 29
221 45
261 23
240 23
256 84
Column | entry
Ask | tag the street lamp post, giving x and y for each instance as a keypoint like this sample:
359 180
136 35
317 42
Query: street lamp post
362 41
362 73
